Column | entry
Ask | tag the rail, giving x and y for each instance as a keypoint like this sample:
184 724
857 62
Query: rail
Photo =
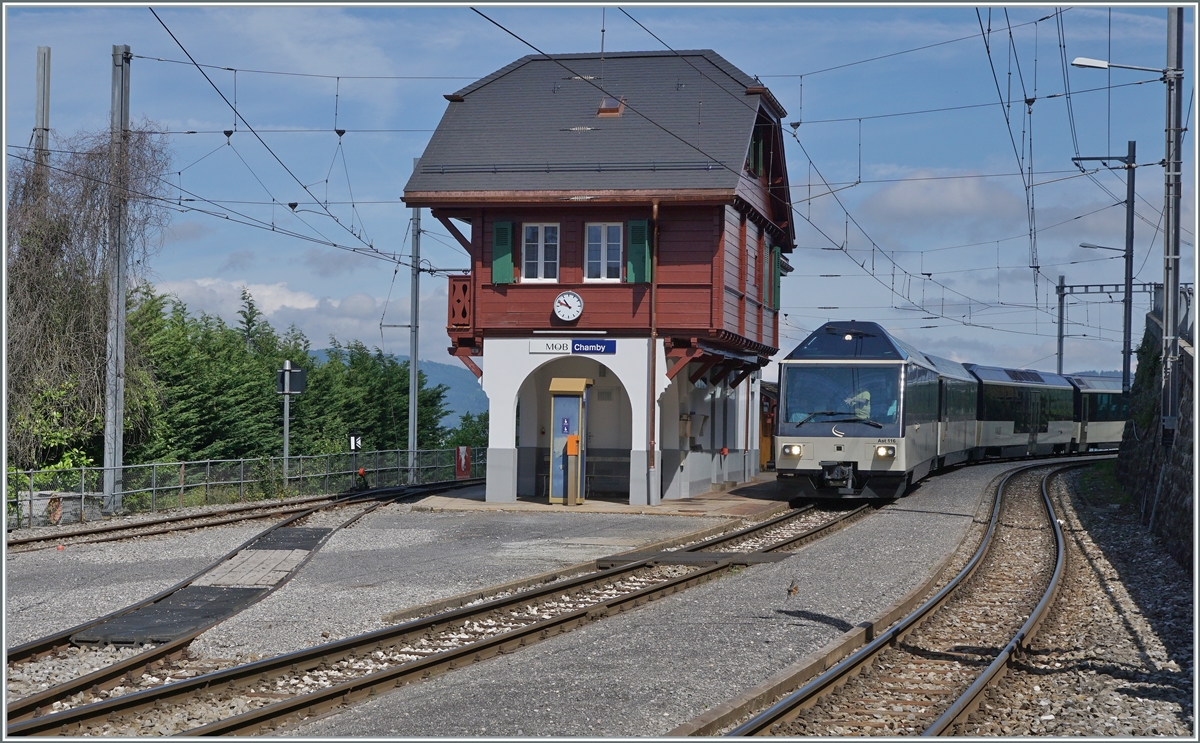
75 495
785 708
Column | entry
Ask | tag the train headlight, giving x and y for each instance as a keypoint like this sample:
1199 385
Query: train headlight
885 451
792 450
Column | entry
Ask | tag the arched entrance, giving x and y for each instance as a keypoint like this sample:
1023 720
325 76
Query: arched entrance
609 434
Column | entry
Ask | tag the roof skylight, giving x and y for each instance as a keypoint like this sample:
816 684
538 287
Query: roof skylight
611 106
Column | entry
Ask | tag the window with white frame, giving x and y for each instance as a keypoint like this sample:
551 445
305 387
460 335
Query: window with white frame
603 251
540 253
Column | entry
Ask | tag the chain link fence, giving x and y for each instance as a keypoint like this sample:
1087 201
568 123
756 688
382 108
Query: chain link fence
68 496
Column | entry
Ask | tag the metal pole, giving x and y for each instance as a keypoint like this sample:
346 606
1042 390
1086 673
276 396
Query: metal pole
1127 349
114 388
1173 186
41 127
1062 301
413 338
287 414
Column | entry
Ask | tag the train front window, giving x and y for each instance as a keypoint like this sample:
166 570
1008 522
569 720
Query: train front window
827 393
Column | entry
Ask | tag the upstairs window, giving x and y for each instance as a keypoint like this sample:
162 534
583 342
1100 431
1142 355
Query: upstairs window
540 253
604 251
754 159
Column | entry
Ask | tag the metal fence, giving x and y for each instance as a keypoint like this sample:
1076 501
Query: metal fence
67 496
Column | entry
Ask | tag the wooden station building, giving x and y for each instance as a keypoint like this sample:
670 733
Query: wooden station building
628 220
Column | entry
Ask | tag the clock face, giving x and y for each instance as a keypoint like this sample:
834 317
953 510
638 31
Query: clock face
568 306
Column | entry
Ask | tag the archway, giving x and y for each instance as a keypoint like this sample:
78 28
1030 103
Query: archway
609 433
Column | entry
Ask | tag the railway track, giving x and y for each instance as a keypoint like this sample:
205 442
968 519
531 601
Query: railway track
164 525
928 671
249 698
105 670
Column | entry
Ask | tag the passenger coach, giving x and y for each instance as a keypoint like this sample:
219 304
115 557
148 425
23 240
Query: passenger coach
864 414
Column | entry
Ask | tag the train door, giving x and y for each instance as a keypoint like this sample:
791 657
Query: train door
943 419
1033 414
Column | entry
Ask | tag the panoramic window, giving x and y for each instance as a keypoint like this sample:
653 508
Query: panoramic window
841 393
604 252
540 253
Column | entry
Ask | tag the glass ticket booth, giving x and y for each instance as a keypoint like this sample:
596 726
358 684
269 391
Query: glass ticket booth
568 441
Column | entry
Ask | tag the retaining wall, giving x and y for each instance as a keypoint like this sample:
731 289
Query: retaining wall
1160 479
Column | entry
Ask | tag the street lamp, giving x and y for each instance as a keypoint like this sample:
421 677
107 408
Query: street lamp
1127 345
1100 64
1172 75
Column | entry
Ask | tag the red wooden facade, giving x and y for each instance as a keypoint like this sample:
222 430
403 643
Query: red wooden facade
714 281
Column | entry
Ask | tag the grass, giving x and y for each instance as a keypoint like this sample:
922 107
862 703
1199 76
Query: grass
1099 484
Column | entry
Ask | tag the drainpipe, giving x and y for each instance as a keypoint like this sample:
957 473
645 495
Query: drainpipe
653 335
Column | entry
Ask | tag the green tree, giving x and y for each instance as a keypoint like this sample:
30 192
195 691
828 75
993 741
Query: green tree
215 394
57 261
472 431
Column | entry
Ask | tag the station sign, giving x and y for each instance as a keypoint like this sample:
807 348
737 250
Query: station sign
577 346
550 346
594 346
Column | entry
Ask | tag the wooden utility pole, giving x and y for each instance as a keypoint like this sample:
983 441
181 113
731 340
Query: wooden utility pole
114 397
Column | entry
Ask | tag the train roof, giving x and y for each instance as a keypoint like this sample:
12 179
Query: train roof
855 340
948 368
1097 384
1018 376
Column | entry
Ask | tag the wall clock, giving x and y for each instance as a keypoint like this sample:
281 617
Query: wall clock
568 306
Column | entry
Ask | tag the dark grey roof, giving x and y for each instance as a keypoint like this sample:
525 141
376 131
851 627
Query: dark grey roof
532 126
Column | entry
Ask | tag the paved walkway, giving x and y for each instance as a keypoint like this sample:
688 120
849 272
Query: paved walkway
759 499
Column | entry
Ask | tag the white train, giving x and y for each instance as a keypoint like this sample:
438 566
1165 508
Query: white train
863 414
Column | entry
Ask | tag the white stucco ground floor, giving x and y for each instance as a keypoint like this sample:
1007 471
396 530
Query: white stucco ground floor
705 433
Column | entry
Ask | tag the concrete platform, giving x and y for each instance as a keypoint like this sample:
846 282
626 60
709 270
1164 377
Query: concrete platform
647 671
756 500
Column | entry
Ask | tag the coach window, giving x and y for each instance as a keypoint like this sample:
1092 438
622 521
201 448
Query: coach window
604 252
1106 406
1057 405
540 253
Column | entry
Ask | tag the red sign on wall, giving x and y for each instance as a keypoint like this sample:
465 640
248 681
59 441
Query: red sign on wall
462 463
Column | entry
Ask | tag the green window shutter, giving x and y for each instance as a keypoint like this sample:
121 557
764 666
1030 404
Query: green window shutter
502 253
776 272
637 256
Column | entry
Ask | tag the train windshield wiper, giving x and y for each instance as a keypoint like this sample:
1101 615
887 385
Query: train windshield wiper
868 421
810 416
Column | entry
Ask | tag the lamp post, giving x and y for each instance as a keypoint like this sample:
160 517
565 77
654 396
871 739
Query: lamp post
1127 344
1172 75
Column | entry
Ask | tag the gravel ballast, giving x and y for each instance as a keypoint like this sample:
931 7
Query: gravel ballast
647 671
51 590
397 557
1115 655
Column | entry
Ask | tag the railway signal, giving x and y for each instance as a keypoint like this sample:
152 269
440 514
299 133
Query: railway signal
288 382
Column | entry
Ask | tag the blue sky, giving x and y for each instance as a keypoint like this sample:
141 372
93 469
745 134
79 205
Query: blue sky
910 183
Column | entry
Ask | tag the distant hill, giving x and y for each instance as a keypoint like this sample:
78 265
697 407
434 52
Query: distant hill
1116 373
464 395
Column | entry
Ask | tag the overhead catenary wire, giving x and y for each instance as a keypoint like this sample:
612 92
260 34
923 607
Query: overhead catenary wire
792 206
251 128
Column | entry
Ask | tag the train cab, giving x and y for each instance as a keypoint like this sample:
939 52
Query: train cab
858 413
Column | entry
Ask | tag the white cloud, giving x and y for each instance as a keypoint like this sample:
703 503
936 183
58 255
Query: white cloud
356 316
